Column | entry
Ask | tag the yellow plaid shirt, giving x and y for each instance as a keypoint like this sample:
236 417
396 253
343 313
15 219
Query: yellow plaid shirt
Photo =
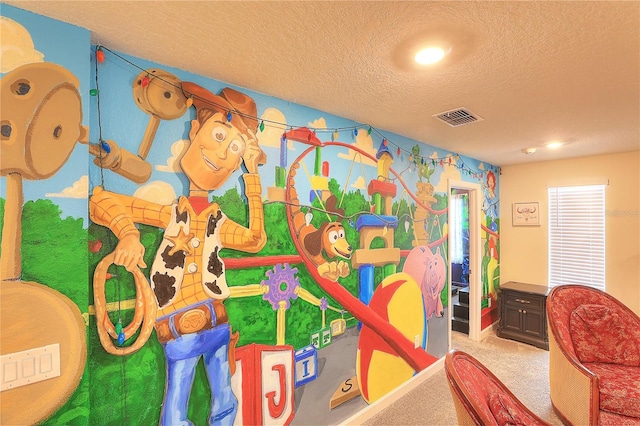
120 213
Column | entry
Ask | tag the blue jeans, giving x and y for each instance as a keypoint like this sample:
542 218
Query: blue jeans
182 356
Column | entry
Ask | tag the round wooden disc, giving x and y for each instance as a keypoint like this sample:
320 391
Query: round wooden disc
32 316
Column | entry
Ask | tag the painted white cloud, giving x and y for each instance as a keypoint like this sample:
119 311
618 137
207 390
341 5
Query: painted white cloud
17 47
434 155
275 125
451 160
319 123
359 183
365 143
448 172
79 189
157 191
178 148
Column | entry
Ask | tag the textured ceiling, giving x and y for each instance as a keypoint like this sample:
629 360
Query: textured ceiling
534 71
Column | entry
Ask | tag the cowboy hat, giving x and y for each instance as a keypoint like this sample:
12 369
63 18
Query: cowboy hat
242 107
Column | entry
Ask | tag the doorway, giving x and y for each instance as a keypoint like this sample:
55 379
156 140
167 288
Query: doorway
459 258
464 220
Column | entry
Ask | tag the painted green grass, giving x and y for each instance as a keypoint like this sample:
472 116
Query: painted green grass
129 389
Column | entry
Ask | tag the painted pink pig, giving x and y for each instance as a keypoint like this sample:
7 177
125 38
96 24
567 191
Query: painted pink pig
429 271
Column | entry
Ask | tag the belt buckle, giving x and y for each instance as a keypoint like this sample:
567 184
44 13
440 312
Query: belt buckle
192 321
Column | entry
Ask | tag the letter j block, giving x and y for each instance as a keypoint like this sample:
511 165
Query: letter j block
306 365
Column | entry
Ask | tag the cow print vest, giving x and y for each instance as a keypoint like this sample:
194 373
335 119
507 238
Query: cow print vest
170 266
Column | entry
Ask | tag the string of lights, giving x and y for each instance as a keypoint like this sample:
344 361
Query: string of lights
451 160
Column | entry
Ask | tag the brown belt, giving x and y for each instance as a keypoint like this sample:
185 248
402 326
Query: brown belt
192 320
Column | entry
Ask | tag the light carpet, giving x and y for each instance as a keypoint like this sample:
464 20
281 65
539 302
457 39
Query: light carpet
523 368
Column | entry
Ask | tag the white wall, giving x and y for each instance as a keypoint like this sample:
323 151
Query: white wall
524 252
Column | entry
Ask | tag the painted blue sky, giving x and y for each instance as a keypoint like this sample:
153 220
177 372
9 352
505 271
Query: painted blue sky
70 47
124 122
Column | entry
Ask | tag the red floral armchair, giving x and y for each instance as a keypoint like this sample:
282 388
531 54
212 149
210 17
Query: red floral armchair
480 397
594 357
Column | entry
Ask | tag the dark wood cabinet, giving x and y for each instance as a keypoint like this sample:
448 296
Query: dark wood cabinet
523 313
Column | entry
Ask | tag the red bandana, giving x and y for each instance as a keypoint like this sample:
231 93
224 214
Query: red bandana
199 203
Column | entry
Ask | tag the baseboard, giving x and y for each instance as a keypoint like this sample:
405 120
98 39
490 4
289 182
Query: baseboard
384 402
489 330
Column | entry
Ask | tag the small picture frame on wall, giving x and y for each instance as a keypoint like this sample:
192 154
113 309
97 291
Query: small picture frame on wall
526 214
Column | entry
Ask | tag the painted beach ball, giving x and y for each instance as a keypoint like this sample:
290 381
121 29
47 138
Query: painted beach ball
379 369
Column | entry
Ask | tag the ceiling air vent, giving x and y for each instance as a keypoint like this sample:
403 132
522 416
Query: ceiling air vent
458 117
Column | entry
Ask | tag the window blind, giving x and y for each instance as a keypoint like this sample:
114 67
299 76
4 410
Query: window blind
577 235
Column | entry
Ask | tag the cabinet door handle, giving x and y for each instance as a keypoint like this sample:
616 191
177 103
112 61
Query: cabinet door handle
523 300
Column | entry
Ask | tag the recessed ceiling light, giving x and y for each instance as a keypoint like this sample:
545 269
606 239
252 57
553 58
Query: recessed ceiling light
528 150
554 145
430 55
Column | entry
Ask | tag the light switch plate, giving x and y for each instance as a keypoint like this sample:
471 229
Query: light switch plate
30 366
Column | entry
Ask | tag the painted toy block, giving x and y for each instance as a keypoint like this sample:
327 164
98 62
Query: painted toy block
347 390
281 176
315 340
376 221
386 189
321 338
323 194
319 183
338 326
275 193
264 385
306 365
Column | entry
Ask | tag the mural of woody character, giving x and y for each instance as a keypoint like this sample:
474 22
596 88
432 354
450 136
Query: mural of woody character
187 275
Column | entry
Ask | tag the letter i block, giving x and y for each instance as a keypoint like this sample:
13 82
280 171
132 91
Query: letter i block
321 338
306 365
